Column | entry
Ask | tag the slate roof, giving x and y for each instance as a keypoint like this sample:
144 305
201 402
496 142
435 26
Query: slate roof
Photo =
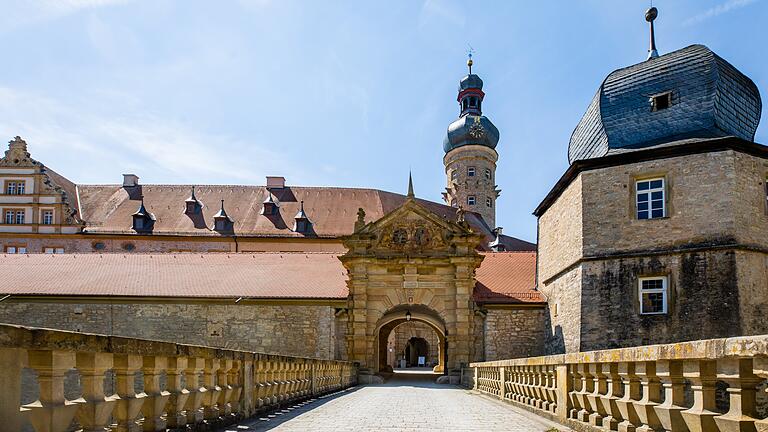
710 99
502 277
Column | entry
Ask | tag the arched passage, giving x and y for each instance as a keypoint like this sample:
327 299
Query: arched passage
400 315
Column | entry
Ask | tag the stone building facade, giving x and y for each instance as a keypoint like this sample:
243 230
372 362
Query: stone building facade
651 230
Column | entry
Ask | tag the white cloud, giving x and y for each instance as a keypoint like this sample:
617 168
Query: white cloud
101 146
720 9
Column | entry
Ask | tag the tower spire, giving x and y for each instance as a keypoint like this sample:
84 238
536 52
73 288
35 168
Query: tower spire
650 15
410 186
470 51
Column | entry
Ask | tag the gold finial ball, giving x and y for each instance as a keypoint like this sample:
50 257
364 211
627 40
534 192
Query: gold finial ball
469 62
651 14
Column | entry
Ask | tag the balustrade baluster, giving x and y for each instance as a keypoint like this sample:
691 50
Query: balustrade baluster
95 414
671 375
197 392
260 383
52 412
210 408
614 391
156 398
651 386
129 404
702 375
587 385
761 370
177 418
541 388
12 361
234 380
551 389
599 390
632 394
742 383
225 395
573 394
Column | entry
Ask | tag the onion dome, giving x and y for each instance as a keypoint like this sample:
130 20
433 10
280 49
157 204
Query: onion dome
472 127
690 93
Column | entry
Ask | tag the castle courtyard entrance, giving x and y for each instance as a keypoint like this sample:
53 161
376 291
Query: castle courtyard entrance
411 339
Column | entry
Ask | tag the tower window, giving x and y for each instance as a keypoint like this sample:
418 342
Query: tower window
472 102
454 203
487 174
454 175
661 101
488 202
653 295
464 103
471 200
650 199
470 171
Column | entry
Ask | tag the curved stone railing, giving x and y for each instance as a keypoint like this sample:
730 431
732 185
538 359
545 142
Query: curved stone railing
178 386
671 387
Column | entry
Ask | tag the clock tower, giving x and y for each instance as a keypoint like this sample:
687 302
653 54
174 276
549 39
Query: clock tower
470 153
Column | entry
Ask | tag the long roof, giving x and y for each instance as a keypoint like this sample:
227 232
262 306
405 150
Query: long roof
332 210
502 277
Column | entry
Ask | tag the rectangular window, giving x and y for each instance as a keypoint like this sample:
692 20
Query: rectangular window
454 175
10 188
10 249
20 188
487 174
9 216
650 199
20 217
488 202
470 171
471 200
15 249
47 217
653 295
51 250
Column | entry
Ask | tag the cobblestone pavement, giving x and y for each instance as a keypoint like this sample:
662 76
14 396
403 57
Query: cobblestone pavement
404 403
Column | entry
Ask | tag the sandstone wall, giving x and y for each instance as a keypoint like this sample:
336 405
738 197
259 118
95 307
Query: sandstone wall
564 308
752 277
76 243
750 204
295 330
514 333
701 195
461 185
704 300
560 233
404 332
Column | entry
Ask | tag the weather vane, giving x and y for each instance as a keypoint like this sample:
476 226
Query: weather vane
470 51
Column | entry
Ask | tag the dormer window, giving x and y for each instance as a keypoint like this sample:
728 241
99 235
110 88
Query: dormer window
192 205
661 101
221 221
302 224
470 171
271 206
143 220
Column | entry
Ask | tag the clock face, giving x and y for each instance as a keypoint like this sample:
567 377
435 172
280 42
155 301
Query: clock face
476 130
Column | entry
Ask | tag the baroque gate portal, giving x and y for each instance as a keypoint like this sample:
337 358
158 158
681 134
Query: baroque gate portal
411 263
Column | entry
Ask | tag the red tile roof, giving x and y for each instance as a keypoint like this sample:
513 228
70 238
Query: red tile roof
332 210
506 277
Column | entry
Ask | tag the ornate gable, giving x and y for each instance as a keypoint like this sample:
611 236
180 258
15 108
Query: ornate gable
411 230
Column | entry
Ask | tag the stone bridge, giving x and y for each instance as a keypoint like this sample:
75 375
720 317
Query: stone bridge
59 381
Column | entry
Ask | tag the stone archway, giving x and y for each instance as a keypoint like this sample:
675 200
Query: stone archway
397 316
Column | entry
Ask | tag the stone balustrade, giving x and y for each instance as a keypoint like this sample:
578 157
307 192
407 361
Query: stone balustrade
675 387
157 385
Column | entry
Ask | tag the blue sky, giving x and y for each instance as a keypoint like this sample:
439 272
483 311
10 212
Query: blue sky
330 93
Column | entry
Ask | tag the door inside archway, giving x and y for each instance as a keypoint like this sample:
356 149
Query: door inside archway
409 345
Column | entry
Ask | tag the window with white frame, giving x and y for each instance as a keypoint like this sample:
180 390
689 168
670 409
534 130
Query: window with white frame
471 200
653 295
488 202
9 216
20 217
488 174
10 188
650 199
53 250
454 175
20 188
470 171
47 218
15 249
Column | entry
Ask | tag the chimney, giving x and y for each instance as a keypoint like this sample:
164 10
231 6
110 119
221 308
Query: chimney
274 182
130 180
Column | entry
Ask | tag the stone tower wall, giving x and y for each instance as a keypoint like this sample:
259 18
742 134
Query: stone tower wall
461 186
